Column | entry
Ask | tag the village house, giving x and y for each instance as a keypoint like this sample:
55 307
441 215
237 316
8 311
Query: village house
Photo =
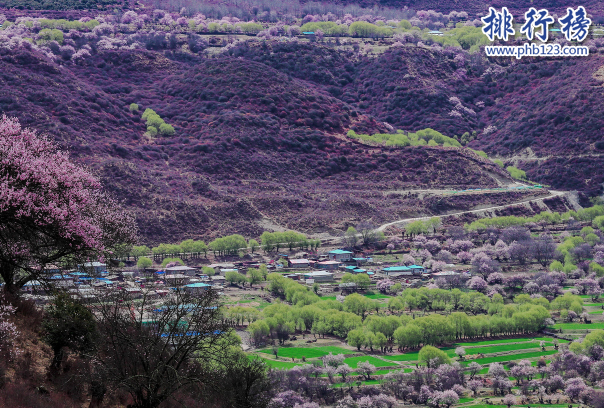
134 291
218 279
52 269
93 267
182 269
177 279
298 263
339 255
412 270
319 276
197 288
218 267
328 265
62 281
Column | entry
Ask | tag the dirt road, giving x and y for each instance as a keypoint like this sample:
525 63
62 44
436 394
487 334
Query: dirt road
498 207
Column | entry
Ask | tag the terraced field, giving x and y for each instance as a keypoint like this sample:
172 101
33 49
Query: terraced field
354 361
516 406
579 326
500 348
378 296
280 364
484 347
512 357
517 349
502 341
308 352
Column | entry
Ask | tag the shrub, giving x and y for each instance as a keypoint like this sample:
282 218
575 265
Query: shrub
516 173
208 271
154 120
432 356
166 129
51 35
148 112
152 130
144 262
133 107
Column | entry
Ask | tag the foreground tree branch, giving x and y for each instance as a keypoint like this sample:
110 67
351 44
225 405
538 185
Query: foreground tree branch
153 349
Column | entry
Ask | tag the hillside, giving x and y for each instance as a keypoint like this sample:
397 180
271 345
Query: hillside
455 92
61 4
474 8
480 7
252 145
256 130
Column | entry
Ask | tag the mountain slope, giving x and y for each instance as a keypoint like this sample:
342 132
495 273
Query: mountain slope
252 145
550 105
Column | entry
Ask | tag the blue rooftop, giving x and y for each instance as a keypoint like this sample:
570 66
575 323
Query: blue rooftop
397 268
339 251
197 285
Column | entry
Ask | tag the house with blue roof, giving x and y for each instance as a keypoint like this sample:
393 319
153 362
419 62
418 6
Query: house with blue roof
412 270
340 255
197 287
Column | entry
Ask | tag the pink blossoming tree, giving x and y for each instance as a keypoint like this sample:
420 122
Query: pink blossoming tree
51 210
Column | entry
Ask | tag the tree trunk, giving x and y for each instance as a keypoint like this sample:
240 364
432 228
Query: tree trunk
57 359
7 271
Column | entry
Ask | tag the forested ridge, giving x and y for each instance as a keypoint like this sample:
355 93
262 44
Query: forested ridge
205 141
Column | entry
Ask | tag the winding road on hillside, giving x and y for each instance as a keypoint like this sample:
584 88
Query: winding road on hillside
498 207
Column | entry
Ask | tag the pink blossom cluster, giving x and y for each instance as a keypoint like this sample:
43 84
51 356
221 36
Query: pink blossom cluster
48 205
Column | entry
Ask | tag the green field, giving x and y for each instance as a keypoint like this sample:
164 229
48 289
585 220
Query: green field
328 298
513 357
465 400
579 326
490 347
307 352
280 364
378 296
593 304
596 312
504 347
501 341
403 357
516 406
354 361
